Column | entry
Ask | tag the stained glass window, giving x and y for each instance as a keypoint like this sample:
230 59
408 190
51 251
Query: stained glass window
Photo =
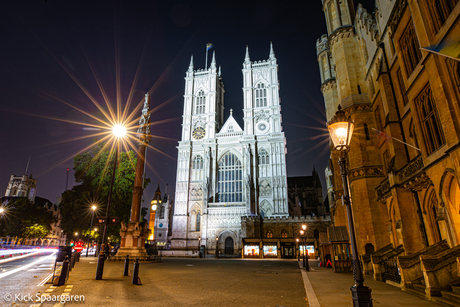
198 221
230 179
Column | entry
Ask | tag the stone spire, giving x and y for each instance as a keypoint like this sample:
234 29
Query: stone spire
272 53
246 58
190 68
213 61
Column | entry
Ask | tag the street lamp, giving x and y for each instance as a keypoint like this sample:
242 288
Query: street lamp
298 249
93 207
217 245
303 232
341 129
119 131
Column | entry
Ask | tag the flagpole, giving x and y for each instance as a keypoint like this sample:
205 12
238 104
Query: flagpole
206 64
439 53
396 139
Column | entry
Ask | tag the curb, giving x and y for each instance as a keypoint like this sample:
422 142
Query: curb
311 296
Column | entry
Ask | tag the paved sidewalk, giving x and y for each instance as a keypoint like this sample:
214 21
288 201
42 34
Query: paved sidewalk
333 290
188 282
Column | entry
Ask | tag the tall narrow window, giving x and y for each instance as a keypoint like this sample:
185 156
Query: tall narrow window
269 234
230 179
200 103
431 125
198 221
264 163
261 95
402 87
410 48
441 10
263 157
197 168
359 89
366 132
284 233
162 212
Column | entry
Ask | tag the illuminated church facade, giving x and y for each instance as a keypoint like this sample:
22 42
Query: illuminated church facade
224 171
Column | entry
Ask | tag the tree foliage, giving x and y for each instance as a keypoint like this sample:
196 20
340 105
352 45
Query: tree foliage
93 171
25 219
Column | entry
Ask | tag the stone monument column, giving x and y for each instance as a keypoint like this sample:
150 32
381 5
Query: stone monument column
133 235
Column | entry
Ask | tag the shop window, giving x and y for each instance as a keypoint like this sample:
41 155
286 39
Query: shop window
251 250
270 251
269 234
410 48
284 234
431 126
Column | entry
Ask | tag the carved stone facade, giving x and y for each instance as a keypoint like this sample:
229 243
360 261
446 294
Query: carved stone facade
225 172
404 157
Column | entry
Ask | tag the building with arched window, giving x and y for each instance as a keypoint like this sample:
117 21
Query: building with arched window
226 171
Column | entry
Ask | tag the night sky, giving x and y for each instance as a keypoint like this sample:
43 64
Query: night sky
50 50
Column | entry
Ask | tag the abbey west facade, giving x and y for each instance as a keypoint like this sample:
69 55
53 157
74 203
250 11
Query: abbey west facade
404 180
224 171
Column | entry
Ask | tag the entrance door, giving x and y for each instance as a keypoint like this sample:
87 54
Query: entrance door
288 252
229 246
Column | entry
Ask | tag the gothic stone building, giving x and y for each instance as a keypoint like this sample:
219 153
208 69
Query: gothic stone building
225 172
404 181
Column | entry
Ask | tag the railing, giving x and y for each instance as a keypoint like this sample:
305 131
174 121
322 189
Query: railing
383 188
411 168
228 134
391 271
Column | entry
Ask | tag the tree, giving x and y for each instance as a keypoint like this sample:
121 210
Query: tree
93 171
26 219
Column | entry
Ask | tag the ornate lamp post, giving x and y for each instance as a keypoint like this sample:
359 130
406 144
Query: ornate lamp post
217 247
93 207
119 131
306 264
298 249
340 129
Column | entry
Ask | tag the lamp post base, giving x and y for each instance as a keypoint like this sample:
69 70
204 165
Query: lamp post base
361 296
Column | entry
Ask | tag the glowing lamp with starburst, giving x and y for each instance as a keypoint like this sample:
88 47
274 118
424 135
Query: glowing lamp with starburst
119 130
340 128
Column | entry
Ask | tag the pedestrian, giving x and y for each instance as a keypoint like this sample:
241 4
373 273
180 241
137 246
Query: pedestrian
328 263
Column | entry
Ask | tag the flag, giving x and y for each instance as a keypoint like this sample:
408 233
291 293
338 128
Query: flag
209 46
450 49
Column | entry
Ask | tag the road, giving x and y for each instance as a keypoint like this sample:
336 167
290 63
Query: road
26 275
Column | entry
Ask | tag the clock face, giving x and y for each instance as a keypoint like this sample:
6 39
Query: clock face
262 127
199 133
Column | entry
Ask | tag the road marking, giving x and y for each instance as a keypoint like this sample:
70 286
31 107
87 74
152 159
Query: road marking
26 266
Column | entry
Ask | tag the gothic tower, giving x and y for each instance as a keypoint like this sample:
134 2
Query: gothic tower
225 172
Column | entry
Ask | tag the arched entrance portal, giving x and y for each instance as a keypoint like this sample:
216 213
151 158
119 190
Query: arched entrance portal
229 246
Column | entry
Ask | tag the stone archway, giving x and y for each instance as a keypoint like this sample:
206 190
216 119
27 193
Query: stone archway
430 214
450 194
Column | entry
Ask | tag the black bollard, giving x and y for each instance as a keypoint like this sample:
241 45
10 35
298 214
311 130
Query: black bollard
125 271
64 272
136 279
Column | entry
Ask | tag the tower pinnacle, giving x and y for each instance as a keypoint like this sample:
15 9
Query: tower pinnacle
246 58
190 68
213 61
272 53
